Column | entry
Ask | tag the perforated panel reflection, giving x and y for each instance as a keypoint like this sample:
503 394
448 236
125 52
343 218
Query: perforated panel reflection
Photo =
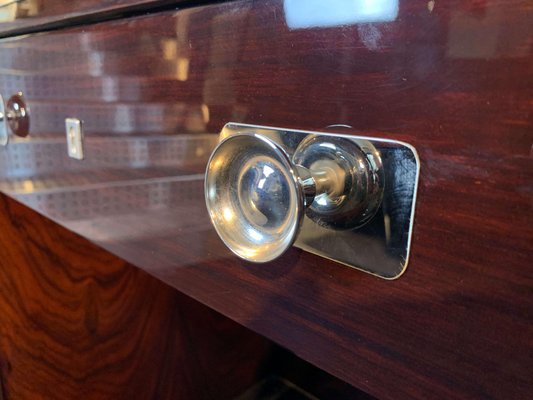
125 189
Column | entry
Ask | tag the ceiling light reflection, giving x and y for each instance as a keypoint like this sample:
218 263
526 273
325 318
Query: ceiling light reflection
301 14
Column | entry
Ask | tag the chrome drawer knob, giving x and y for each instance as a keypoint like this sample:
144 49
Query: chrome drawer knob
18 115
14 116
257 194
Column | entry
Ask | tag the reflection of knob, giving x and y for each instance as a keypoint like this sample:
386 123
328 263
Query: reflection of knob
14 116
257 196
18 115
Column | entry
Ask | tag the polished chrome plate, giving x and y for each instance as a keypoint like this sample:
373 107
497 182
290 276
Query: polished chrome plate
381 246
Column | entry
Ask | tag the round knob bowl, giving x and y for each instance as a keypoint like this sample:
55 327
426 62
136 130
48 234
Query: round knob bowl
255 197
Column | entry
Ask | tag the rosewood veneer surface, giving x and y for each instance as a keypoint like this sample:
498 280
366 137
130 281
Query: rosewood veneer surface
78 322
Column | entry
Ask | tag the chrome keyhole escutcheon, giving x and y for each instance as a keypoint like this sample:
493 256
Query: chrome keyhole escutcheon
257 193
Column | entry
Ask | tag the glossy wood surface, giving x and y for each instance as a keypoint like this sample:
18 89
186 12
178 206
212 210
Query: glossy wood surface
451 78
77 322
19 16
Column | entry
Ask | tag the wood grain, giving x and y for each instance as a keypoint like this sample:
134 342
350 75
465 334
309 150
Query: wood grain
453 80
75 321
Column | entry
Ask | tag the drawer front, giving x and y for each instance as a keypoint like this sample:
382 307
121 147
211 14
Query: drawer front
153 92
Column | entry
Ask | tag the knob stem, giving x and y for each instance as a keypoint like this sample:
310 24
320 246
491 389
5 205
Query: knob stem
308 184
326 176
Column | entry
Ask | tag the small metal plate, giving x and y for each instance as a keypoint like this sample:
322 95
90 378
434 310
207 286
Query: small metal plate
381 247
74 134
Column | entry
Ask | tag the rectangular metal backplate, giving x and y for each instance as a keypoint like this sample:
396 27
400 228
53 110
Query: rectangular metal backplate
381 247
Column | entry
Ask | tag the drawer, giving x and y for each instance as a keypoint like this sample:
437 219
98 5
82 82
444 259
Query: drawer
153 93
